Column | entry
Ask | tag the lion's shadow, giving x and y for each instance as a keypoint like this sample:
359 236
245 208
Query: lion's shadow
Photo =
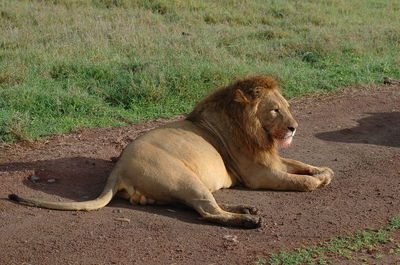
378 129
74 178
82 178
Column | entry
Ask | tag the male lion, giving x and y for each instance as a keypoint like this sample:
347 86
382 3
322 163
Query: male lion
230 137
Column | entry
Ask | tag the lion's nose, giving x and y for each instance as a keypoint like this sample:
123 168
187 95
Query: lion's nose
292 129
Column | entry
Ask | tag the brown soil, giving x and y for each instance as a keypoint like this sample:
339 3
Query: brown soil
356 133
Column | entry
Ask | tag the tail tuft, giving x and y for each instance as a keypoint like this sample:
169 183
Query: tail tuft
14 197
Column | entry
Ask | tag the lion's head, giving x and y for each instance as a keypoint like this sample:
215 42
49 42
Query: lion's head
251 112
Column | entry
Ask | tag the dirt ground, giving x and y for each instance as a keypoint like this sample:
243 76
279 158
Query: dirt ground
356 133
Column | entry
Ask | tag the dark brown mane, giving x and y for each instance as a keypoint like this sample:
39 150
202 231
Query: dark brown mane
233 108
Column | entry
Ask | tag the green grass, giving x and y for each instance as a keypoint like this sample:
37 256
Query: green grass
81 63
347 247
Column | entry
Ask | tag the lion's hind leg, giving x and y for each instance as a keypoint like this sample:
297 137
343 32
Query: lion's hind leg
201 199
210 211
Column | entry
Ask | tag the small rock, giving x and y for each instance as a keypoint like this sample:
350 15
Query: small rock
51 180
34 178
117 211
231 238
123 219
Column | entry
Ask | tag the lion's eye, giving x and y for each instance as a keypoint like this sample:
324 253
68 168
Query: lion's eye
276 110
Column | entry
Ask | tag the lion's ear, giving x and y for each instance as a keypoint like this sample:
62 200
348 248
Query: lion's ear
248 95
241 97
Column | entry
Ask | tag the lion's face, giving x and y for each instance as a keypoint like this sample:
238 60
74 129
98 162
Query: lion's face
256 111
276 119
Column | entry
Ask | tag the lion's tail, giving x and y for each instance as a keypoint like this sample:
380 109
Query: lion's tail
102 200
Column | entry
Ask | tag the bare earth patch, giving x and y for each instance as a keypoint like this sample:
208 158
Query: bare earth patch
356 133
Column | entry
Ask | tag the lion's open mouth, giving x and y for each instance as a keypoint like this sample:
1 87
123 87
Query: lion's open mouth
286 141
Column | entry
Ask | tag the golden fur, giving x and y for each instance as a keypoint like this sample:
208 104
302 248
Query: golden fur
231 137
242 122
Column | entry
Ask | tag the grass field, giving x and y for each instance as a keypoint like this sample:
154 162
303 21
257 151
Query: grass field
349 249
66 64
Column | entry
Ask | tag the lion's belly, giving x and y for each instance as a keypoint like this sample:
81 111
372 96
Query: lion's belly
170 159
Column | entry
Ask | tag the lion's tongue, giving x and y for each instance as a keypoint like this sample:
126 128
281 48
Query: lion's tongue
286 142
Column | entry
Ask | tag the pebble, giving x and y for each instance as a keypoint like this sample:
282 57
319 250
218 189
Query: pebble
51 180
34 178
117 211
231 238
123 219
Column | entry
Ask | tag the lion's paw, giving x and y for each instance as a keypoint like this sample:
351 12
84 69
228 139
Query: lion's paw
248 209
251 222
243 209
325 175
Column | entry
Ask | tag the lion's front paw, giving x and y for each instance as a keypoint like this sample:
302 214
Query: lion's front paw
324 174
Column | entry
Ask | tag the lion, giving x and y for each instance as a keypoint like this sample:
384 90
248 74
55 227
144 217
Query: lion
231 137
